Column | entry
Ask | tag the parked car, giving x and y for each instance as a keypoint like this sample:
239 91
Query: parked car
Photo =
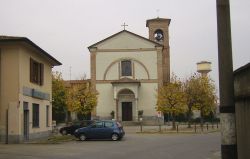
73 126
106 129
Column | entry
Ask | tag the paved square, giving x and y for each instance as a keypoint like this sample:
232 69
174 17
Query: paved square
133 146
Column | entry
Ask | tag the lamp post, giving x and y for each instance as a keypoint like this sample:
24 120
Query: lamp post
227 105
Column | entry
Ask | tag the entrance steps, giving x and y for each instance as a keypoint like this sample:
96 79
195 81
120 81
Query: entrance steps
130 123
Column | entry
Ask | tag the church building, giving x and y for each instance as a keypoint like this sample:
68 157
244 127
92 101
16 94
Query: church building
128 69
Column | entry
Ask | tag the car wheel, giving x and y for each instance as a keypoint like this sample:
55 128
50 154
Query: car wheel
82 137
64 132
115 137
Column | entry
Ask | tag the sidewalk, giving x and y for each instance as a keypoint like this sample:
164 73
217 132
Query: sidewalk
167 129
131 129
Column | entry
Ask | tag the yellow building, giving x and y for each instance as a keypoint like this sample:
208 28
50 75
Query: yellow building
25 90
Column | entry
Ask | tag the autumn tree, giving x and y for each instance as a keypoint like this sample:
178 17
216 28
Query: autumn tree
81 99
201 95
191 88
171 99
207 102
59 108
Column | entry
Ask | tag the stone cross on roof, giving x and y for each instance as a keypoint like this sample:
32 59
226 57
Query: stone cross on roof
124 26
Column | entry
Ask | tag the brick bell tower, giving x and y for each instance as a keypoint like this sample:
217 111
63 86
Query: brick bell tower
159 32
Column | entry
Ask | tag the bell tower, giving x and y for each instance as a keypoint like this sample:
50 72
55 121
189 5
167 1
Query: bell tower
159 32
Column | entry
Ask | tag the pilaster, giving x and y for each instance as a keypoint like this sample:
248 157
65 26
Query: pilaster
136 109
93 73
159 66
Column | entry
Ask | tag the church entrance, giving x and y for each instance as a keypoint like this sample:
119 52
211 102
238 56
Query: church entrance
126 105
127 111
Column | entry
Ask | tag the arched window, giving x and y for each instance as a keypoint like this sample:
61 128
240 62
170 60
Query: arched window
126 68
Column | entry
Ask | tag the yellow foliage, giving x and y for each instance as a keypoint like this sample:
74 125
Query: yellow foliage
81 98
201 95
58 94
171 98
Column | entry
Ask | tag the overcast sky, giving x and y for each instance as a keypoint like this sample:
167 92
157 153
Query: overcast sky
65 28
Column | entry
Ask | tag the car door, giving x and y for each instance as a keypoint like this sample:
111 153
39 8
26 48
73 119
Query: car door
108 129
96 130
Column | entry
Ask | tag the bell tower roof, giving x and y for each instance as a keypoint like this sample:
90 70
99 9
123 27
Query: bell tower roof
158 30
158 20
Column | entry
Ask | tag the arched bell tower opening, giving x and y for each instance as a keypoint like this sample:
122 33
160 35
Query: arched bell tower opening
158 35
159 32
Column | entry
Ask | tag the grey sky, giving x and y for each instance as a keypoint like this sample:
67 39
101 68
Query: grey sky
65 28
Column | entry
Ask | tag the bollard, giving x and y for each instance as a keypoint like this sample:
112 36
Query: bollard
177 128
141 126
217 125
212 125
207 126
159 127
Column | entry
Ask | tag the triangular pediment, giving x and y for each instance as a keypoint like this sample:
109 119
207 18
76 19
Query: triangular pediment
125 40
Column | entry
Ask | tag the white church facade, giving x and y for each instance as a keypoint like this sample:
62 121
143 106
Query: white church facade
127 70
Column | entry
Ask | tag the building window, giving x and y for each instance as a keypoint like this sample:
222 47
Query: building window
47 116
36 72
126 68
35 115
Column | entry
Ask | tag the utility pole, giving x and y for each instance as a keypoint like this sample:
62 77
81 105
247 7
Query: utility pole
227 105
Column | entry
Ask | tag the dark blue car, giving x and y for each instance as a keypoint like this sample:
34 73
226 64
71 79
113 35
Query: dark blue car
101 130
70 129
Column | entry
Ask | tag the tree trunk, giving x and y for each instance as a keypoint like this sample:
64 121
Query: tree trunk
189 117
201 119
173 122
66 116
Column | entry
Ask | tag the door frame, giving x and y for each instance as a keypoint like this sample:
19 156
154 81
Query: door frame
25 121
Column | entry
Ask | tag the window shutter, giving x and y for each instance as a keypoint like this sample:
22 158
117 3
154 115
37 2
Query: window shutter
41 74
38 73
31 70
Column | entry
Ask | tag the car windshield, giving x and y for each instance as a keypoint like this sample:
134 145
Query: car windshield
85 123
76 123
81 123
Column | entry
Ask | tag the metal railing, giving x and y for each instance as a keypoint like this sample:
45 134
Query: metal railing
181 128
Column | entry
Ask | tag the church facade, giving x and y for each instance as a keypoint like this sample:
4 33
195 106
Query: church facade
128 69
